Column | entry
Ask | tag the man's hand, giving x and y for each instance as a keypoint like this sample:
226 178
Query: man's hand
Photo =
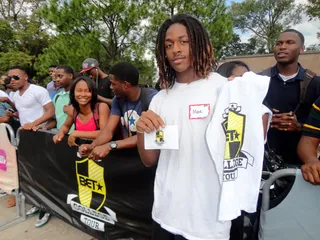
85 150
311 172
3 99
12 114
68 109
28 126
9 113
100 152
72 140
58 137
285 122
148 122
36 128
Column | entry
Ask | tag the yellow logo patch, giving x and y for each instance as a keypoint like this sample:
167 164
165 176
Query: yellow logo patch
90 177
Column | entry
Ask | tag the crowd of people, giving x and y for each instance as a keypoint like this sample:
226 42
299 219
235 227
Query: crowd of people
116 112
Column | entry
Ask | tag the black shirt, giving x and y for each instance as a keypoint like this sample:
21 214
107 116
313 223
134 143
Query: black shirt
285 96
104 89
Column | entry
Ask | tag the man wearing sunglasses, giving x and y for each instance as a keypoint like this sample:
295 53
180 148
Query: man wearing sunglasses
90 68
31 101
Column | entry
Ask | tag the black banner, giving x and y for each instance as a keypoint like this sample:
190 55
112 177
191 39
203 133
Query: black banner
111 199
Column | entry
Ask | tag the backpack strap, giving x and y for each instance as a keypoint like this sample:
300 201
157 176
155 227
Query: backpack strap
144 97
96 115
74 117
308 76
56 99
267 72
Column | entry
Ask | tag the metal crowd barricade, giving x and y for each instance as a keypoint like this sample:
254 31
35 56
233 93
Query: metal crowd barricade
9 180
297 216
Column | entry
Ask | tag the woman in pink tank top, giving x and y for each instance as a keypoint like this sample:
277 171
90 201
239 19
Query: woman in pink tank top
88 115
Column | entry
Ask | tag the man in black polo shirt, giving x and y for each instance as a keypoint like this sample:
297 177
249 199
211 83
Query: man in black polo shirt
284 96
90 67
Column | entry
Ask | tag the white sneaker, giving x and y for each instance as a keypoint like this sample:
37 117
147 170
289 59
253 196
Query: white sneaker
42 221
2 193
32 211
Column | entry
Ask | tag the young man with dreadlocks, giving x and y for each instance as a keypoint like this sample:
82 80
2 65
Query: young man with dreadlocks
186 190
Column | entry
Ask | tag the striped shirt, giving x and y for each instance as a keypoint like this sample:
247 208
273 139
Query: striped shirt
312 126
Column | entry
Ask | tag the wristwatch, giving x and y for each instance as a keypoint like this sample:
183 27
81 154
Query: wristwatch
113 145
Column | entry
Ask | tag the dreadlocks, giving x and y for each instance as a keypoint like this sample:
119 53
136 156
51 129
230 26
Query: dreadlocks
202 56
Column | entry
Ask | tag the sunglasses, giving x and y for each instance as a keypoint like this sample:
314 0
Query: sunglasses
85 74
15 77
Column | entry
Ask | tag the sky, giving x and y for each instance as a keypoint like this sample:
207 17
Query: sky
308 28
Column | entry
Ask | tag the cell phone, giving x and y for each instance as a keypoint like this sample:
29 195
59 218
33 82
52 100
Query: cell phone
10 110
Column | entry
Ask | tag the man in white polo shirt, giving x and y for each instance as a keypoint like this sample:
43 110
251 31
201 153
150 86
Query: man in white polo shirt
32 102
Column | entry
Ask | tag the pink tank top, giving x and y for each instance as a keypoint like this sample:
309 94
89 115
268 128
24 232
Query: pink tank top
87 127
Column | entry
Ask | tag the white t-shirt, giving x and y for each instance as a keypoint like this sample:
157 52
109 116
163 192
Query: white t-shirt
30 104
286 78
11 95
3 94
187 188
236 143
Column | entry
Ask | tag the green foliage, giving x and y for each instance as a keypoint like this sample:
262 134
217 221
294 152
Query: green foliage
22 34
237 48
106 30
11 58
313 8
39 33
6 36
67 50
265 19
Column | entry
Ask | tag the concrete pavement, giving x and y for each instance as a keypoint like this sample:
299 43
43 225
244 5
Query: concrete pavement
55 229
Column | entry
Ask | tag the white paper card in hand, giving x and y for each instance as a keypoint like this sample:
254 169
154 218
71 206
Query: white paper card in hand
164 138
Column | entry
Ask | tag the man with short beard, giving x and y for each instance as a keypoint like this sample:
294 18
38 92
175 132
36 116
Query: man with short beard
284 96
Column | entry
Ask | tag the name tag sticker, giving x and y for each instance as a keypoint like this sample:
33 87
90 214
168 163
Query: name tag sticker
199 111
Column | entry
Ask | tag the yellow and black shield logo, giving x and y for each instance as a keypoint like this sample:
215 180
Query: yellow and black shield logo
234 129
91 185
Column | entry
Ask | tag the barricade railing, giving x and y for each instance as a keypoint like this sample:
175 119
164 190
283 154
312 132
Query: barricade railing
296 216
9 180
108 199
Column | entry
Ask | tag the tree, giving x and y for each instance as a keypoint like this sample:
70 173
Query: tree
22 35
313 8
237 48
212 13
11 58
265 19
106 30
11 10
313 48
6 36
